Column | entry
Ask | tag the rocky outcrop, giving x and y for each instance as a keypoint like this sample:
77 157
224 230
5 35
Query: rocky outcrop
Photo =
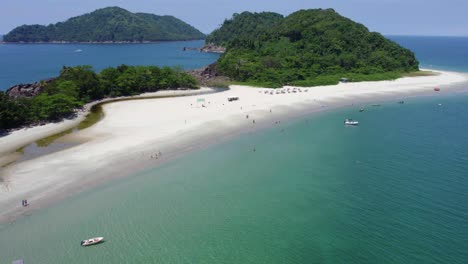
213 49
209 48
27 90
207 73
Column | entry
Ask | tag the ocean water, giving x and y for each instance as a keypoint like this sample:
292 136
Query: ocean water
443 53
392 190
25 63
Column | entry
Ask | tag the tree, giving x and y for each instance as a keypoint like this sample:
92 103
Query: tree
12 113
305 46
53 107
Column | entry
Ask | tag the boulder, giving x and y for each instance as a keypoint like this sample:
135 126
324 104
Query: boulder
28 89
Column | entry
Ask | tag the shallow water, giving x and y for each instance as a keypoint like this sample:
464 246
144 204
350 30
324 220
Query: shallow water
392 190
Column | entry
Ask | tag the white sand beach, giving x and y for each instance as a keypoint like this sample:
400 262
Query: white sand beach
138 134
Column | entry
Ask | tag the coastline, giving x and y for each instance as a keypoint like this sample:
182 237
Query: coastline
132 132
99 42
22 137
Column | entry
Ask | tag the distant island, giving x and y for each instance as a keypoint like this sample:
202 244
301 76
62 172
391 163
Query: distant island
307 48
111 24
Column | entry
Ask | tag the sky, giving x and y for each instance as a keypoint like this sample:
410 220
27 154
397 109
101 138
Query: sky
389 17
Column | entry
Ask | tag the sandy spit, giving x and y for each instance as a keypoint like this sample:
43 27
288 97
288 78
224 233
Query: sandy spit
143 133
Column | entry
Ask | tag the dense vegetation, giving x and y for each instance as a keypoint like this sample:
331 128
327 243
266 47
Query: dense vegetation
307 48
243 26
79 85
108 24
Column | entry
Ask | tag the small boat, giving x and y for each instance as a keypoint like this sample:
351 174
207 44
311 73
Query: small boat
351 122
401 102
92 241
361 110
437 89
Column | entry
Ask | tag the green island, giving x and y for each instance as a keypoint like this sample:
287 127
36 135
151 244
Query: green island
76 86
111 24
307 48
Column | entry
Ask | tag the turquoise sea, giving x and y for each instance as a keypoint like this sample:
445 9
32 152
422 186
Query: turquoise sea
393 190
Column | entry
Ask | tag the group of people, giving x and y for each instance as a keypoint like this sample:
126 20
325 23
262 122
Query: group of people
24 203
156 155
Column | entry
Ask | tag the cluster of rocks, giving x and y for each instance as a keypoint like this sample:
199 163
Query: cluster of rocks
209 48
27 90
213 48
207 74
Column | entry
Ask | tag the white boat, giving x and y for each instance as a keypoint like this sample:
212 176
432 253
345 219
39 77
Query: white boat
351 122
92 241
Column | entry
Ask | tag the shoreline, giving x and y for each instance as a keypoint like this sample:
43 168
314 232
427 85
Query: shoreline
100 42
23 137
132 132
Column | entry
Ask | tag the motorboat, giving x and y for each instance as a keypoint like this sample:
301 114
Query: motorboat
92 241
351 122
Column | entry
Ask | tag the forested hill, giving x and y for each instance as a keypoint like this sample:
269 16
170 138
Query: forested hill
57 98
241 26
111 24
308 47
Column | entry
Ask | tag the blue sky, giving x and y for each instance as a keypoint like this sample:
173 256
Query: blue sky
390 17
